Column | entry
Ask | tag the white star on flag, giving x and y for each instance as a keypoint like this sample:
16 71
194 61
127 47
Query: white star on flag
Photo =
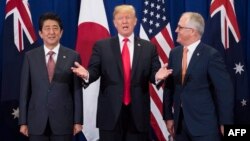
238 68
155 26
15 113
243 102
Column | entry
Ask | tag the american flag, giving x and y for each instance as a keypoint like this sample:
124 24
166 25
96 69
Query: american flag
222 32
155 27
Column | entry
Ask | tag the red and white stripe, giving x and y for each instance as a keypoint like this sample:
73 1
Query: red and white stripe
228 19
22 23
164 43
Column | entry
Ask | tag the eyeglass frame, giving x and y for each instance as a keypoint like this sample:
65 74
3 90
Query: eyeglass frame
183 27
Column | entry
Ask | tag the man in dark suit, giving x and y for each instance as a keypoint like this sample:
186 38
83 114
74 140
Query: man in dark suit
126 65
198 96
51 107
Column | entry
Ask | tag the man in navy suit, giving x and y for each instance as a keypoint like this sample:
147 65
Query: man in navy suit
197 100
120 118
51 107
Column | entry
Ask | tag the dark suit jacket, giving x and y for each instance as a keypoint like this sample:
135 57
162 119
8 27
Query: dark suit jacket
106 62
60 101
206 96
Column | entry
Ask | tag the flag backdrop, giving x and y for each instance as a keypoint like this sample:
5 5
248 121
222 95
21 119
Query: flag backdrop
92 26
223 33
155 26
74 23
18 37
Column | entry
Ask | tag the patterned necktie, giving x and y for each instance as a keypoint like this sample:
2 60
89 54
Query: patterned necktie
51 65
126 70
184 63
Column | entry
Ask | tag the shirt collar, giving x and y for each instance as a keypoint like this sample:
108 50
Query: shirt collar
131 38
193 46
55 49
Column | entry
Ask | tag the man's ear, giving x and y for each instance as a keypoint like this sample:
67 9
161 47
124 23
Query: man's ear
40 34
61 33
114 23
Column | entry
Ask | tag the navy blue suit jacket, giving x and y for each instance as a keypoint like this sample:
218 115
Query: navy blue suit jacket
206 96
60 101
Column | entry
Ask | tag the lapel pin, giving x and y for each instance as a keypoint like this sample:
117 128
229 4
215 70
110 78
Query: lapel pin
139 44
198 54
64 57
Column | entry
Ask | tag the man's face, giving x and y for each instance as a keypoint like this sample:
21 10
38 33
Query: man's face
51 33
125 22
184 32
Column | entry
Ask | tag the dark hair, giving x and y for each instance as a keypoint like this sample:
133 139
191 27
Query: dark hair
49 16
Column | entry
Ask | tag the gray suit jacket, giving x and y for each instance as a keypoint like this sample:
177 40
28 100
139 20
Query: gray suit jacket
60 101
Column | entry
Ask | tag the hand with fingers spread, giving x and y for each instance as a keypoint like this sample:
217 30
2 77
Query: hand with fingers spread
163 73
80 71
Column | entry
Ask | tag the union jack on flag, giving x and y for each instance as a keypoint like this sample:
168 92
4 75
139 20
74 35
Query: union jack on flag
222 32
155 27
228 19
21 22
18 37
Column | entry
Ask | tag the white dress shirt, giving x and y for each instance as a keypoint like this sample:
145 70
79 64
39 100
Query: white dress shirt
130 44
55 55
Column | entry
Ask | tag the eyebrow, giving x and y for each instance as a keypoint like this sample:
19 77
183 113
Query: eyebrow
184 27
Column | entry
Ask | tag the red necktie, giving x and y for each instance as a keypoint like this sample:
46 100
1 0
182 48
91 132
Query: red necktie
51 65
126 70
184 63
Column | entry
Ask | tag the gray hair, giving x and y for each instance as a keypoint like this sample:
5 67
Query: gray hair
196 21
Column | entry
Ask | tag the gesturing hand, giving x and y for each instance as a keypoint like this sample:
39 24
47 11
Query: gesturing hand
80 71
163 72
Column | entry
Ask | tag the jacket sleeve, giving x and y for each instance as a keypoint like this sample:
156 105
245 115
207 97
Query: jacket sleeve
168 94
25 91
224 92
78 100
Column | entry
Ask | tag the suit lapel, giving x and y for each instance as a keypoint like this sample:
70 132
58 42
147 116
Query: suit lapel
178 59
115 45
194 59
60 62
136 56
40 59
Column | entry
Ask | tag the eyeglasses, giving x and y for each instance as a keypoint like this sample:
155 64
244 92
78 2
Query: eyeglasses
183 27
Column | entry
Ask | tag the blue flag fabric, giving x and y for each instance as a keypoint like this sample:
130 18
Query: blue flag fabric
222 32
18 37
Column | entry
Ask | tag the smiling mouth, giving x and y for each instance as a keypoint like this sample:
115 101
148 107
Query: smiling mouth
51 37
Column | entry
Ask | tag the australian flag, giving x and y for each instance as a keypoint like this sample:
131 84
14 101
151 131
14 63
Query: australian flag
222 32
18 37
